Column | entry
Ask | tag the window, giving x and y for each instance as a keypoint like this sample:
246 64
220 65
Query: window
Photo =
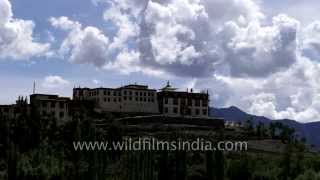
204 112
182 110
119 99
130 98
175 110
61 114
114 93
141 99
119 93
137 93
114 99
137 99
145 94
108 99
166 110
44 104
175 101
140 93
197 112
145 99
125 98
53 104
108 93
105 99
183 101
130 93
197 103
125 92
189 102
105 92
204 102
44 113
166 100
61 104
188 111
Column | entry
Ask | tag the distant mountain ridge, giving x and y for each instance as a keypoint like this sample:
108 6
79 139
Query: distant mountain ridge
311 131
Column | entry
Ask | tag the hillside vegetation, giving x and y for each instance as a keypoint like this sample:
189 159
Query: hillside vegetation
33 148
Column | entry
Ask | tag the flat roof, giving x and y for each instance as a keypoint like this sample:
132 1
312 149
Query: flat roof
51 97
130 86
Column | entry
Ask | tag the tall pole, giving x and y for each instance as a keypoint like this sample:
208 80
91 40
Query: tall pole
34 87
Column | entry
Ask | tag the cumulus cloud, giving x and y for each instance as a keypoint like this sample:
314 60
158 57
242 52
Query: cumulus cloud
89 45
86 45
257 50
54 82
184 38
290 94
124 18
198 38
311 40
95 81
16 36
264 65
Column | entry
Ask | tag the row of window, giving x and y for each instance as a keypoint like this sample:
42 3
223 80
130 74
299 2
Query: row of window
53 104
61 114
186 102
118 93
6 110
128 99
15 110
186 111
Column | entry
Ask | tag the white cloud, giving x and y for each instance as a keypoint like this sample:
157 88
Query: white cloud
264 67
86 45
126 62
16 36
95 81
257 50
311 40
126 28
290 94
197 38
54 82
64 23
89 45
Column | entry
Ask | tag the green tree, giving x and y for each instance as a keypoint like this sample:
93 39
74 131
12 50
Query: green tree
309 175
248 126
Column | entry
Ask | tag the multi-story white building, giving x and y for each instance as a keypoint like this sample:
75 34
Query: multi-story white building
177 103
50 106
141 99
127 99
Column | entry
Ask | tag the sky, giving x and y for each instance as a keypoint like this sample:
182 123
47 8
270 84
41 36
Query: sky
259 55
